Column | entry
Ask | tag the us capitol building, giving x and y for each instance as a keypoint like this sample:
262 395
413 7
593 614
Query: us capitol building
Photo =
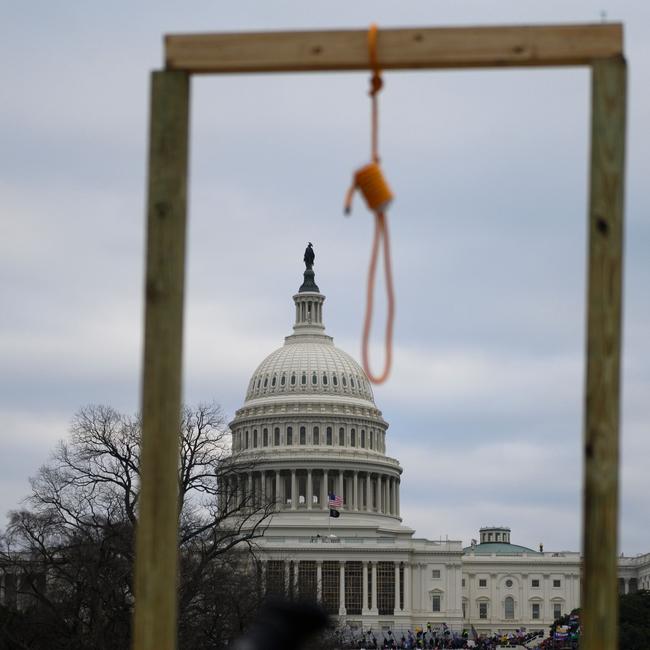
310 427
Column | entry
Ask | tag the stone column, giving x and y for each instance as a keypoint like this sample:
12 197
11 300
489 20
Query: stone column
294 490
296 569
263 487
407 587
373 600
319 580
323 490
368 493
278 491
355 490
386 499
310 490
626 582
390 496
397 601
378 492
340 491
287 567
341 588
250 501
364 589
263 577
397 482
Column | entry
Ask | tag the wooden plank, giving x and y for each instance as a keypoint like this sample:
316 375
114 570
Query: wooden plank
398 49
157 533
601 437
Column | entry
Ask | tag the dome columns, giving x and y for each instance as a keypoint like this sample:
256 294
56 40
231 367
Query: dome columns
300 489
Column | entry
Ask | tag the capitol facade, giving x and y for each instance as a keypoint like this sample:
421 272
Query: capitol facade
309 427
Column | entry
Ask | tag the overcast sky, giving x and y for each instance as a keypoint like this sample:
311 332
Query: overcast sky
488 233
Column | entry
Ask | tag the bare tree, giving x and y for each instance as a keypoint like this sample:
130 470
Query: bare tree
78 526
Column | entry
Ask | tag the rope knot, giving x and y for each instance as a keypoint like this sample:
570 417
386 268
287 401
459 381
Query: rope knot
376 84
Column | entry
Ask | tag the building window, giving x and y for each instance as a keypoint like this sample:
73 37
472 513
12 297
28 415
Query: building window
344 380
289 435
314 379
328 436
386 588
557 611
283 380
266 382
363 438
435 574
464 610
335 380
557 584
482 582
371 439
535 610
351 382
353 588
265 437
509 607
246 438
462 582
324 379
276 436
254 437
435 603
489 537
273 382
353 438
303 436
315 436
482 610
508 583
341 437
293 380
534 583
303 379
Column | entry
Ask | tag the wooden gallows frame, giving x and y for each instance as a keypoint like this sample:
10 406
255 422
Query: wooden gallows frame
597 46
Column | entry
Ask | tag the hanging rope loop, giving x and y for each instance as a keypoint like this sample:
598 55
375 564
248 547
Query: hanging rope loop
371 182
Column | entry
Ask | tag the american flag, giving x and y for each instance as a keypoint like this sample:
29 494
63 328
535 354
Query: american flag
334 501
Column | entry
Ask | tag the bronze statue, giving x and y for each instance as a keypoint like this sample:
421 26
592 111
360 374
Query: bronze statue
309 257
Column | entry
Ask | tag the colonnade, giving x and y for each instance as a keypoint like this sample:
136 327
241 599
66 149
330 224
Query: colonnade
308 489
374 594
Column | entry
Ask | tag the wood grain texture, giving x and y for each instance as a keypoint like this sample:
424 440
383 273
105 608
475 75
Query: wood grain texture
604 304
157 533
398 49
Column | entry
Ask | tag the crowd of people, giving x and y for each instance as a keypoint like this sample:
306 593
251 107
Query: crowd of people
437 638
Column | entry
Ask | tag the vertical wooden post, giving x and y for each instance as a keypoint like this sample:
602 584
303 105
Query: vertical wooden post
600 504
157 533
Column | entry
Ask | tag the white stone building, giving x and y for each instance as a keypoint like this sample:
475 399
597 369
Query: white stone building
312 427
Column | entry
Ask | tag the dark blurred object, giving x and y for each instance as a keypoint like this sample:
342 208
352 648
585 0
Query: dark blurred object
283 625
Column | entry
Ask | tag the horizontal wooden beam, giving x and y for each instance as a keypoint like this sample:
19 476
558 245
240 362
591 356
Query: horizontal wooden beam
398 49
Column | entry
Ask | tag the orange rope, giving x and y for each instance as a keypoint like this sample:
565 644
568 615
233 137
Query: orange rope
372 184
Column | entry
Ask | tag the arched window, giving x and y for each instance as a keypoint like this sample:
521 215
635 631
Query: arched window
265 437
276 436
273 381
293 380
342 437
258 383
254 437
345 381
303 379
324 379
335 380
283 380
303 436
266 382
328 436
371 435
509 607
314 379
363 438
353 438
289 435
246 439
315 437
351 382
